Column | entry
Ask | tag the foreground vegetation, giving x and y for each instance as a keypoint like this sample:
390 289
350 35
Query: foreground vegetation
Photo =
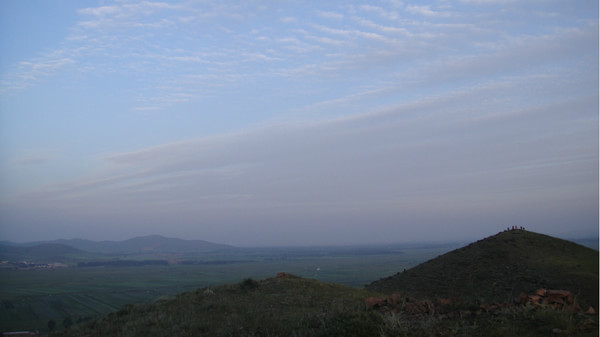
291 306
275 306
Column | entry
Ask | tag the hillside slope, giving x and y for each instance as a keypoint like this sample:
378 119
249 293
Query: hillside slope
281 306
500 267
291 306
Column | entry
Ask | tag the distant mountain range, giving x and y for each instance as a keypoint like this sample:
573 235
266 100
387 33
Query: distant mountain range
76 249
157 246
142 244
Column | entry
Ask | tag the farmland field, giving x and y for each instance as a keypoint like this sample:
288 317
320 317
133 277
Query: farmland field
32 298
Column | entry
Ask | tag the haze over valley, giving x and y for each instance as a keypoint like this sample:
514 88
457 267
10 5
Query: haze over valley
71 291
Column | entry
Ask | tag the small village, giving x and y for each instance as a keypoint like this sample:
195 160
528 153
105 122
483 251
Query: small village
26 265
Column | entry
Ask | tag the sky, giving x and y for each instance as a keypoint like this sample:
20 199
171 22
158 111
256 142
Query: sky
268 123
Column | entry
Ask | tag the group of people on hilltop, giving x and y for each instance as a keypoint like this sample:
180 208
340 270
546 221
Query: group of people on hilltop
514 228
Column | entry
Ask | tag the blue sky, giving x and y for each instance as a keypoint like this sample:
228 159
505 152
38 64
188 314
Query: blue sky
303 123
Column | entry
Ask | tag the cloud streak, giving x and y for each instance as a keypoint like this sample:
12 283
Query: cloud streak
429 162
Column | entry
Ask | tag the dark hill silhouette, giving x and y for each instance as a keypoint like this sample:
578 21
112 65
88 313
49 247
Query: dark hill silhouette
144 244
44 248
500 267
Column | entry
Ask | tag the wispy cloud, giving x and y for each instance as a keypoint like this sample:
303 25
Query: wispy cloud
126 15
425 10
31 72
330 15
109 39
387 13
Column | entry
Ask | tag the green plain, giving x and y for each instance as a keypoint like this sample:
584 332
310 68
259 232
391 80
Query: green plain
31 298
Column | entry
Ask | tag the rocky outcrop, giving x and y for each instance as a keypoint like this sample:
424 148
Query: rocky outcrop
451 308
556 299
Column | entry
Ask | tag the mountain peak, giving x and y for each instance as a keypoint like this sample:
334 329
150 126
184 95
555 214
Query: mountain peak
148 237
500 267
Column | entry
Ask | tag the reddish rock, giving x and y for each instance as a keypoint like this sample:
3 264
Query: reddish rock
523 298
557 299
396 299
534 298
375 302
564 295
444 301
561 293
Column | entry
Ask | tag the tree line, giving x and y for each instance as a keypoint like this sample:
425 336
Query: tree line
123 263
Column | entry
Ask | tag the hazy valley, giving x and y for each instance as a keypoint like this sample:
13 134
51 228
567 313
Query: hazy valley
80 279
56 285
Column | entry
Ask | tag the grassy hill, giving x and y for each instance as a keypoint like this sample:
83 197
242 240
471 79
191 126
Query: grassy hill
500 267
294 306
279 306
491 269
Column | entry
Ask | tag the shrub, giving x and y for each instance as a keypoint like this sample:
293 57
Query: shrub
353 325
248 284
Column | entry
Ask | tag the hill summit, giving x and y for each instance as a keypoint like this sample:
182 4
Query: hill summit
285 305
500 267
